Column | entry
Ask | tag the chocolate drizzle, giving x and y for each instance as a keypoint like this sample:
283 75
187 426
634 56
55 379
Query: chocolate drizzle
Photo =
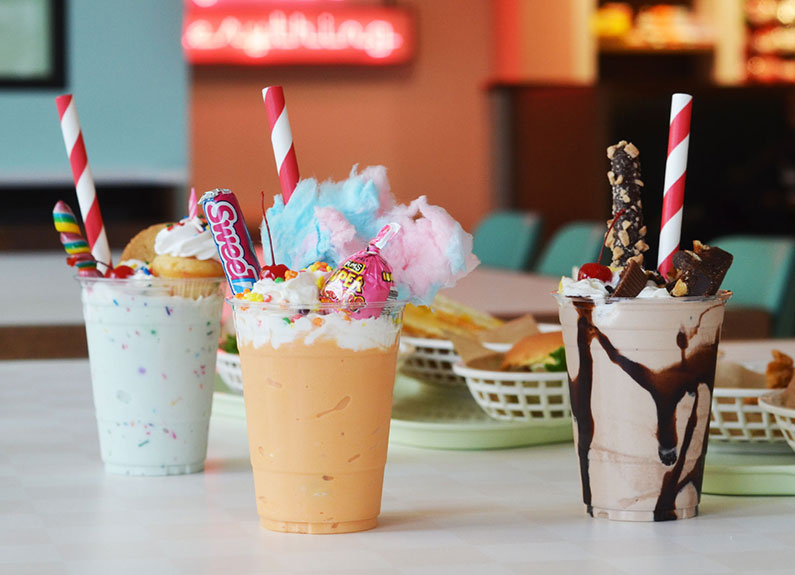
666 387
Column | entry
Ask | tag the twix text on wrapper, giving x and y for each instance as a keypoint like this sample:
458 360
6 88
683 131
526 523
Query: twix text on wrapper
364 278
231 236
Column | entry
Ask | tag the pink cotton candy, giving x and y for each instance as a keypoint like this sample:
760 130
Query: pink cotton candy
431 252
342 234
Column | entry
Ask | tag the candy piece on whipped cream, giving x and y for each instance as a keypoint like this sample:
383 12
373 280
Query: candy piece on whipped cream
632 281
364 278
301 287
231 236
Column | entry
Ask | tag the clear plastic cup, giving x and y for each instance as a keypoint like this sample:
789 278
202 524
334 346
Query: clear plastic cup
152 347
317 386
641 374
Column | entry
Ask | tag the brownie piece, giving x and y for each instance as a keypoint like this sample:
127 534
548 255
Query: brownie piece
699 271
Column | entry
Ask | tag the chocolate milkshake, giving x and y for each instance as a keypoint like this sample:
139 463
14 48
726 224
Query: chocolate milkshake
641 352
641 375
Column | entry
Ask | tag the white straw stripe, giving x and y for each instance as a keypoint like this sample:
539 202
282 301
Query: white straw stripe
85 191
281 138
676 164
678 103
669 236
101 251
70 126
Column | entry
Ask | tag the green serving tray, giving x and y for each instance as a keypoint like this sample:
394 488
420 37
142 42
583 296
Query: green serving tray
743 472
436 417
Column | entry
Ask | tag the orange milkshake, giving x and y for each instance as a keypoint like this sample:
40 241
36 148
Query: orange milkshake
318 393
318 336
318 424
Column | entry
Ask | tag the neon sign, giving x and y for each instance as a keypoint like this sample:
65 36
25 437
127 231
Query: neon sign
250 33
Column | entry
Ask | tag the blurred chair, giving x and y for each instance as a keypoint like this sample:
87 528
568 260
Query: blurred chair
763 276
507 240
572 245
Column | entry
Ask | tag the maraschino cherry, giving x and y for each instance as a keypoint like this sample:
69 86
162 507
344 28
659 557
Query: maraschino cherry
120 272
596 270
273 271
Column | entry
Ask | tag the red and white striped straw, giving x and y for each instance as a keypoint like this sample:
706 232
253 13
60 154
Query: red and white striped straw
674 188
193 207
84 180
281 139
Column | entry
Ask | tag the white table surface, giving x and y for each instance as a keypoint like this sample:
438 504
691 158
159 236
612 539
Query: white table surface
468 513
506 293
50 295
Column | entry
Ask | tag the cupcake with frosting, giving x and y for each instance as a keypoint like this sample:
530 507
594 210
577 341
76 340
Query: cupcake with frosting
186 249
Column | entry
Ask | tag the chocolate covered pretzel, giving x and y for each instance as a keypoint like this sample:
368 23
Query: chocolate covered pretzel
627 238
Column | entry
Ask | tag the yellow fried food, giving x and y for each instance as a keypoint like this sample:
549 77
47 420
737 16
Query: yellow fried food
779 371
446 316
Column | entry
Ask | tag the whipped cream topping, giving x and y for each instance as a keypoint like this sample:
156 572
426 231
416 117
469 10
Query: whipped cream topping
300 320
258 327
587 287
597 289
653 291
140 268
302 289
188 238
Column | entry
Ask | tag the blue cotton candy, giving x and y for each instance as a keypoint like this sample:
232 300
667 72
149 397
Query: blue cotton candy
298 237
332 220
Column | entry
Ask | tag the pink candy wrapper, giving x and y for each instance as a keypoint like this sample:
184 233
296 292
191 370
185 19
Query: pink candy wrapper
364 278
232 239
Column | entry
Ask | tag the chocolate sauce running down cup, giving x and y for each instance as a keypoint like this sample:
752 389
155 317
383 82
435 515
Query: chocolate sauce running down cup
641 374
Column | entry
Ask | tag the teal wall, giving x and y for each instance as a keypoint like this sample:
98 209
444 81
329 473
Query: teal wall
126 71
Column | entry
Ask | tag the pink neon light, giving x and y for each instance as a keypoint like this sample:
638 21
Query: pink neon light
306 36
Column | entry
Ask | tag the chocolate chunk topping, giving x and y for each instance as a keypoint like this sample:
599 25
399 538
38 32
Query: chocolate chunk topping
633 280
700 271
656 277
627 240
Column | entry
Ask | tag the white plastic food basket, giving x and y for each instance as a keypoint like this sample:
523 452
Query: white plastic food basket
738 418
228 367
518 396
772 403
432 361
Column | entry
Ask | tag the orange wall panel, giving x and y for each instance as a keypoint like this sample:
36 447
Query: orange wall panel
428 121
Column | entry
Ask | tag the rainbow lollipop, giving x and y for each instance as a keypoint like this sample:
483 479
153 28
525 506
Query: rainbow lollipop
73 242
